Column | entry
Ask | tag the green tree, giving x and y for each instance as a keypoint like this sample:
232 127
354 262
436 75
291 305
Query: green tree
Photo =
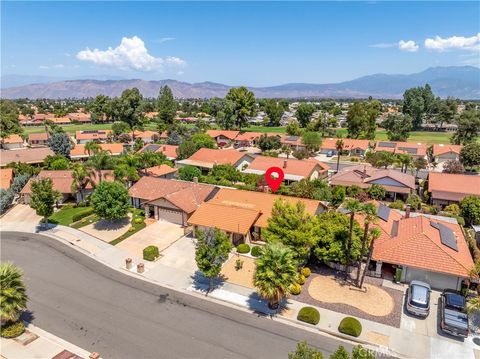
380 159
19 181
419 164
43 197
376 191
276 271
373 235
56 162
290 225
6 199
304 351
202 140
9 123
128 108
356 118
188 173
101 108
353 207
293 129
414 201
211 251
119 127
60 143
100 161
312 141
444 111
468 123
339 145
92 147
110 200
369 212
166 105
274 111
243 105
147 159
13 298
268 143
418 103
338 195
398 126
470 155
82 177
186 149
304 113
340 353
470 209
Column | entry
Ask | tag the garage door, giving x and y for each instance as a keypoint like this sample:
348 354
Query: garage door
436 280
170 215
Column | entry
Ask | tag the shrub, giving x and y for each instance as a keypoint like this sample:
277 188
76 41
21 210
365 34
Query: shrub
256 250
295 289
151 253
414 201
300 279
309 315
398 204
376 191
138 220
68 206
306 272
350 326
243 248
12 329
131 229
82 204
78 216
453 209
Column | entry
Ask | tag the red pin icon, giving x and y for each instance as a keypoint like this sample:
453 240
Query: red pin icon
274 177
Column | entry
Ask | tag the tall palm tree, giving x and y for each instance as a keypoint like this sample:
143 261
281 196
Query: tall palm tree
405 160
352 206
149 159
126 169
373 235
101 161
369 212
276 271
339 147
92 148
82 176
13 298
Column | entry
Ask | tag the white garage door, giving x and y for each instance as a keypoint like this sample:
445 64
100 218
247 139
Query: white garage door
170 215
436 280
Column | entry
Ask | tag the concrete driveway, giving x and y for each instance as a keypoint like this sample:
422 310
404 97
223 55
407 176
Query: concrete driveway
161 234
181 255
20 218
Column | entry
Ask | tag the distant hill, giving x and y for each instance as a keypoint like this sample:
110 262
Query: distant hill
456 81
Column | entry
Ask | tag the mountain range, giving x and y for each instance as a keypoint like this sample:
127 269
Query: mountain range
457 81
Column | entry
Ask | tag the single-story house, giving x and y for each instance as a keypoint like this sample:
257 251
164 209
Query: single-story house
26 155
80 117
162 171
354 147
83 137
443 153
247 139
222 137
295 142
79 152
422 248
170 151
206 158
447 188
169 200
146 136
415 149
293 169
12 142
243 214
364 176
62 181
59 120
38 139
6 177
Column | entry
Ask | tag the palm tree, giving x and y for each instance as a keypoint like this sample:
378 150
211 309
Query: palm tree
373 235
92 147
405 160
149 159
369 212
100 161
127 169
473 305
419 164
339 147
352 206
13 299
276 271
286 149
82 176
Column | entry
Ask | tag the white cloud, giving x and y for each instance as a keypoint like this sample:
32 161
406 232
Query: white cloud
453 43
130 54
164 39
383 45
43 67
409 46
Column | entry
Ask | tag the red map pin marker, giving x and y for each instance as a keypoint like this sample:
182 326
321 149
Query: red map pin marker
274 177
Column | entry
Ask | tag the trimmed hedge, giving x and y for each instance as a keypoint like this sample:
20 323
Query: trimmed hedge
306 272
350 326
138 220
243 248
300 279
309 315
256 251
78 216
12 330
295 289
151 253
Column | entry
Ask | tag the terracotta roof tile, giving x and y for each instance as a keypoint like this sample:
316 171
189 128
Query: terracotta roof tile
6 177
13 139
90 135
453 187
440 149
79 150
209 157
161 170
291 167
42 136
170 151
27 155
225 133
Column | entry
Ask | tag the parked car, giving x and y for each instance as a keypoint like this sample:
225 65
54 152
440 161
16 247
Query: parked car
452 310
418 298
330 154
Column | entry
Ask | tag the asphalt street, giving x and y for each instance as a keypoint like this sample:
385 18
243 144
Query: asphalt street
103 310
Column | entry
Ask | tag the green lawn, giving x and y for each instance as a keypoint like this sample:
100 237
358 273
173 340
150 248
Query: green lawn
64 216
70 128
137 213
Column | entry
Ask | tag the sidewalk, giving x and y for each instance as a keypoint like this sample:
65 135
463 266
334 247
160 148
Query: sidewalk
37 343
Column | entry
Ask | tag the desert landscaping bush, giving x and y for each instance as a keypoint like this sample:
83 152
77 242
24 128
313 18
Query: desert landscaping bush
350 326
300 279
256 250
295 289
309 315
151 253
306 272
243 248
12 329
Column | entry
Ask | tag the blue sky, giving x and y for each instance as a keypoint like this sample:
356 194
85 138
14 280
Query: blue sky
236 43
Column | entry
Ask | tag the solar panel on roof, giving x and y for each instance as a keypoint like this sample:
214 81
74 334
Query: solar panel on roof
292 138
152 148
383 212
394 230
447 237
387 144
413 151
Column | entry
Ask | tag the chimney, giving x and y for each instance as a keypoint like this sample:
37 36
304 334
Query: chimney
407 211
365 169
164 148
195 179
284 163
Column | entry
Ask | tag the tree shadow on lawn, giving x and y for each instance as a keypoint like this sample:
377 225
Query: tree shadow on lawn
111 225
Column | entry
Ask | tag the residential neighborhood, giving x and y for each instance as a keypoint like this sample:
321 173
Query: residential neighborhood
147 210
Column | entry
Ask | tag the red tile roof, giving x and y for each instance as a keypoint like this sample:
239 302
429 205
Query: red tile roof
13 139
42 136
90 135
6 177
79 149
291 167
27 155
440 149
208 157
225 133
453 187
161 170
170 151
